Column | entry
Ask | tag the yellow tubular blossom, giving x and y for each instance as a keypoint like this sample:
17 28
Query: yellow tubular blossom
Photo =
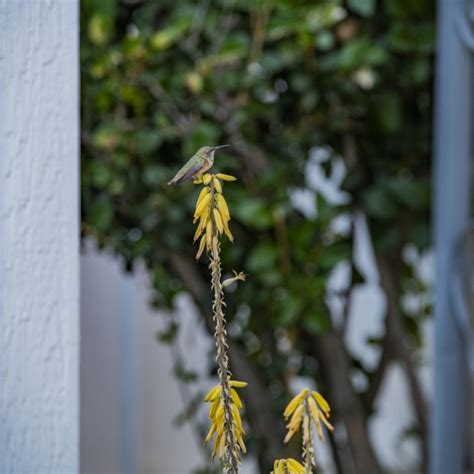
218 221
213 394
321 401
201 247
222 206
295 402
235 398
296 418
295 465
217 185
199 230
209 235
205 191
287 466
307 408
203 210
225 177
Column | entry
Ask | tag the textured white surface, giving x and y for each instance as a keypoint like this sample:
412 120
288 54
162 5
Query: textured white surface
39 325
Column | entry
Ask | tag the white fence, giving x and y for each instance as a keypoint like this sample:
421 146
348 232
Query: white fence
39 232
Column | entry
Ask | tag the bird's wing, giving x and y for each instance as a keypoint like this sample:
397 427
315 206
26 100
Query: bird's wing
186 172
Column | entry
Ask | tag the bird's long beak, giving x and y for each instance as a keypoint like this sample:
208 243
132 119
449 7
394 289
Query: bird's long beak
222 146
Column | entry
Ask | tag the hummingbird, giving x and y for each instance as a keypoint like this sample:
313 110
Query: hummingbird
197 165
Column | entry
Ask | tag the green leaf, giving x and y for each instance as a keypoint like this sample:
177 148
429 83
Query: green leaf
420 234
405 38
408 8
324 40
97 30
389 112
361 52
263 257
379 203
253 212
333 254
412 193
154 175
100 25
146 141
317 322
166 37
106 137
289 310
387 238
205 133
101 214
100 173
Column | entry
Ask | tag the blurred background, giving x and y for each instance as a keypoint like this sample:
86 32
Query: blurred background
327 106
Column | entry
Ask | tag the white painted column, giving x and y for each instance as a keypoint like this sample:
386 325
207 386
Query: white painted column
39 227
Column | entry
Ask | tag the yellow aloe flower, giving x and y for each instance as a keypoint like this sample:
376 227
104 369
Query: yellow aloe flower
204 192
212 212
305 408
314 404
225 177
217 185
213 394
207 178
222 206
323 404
235 398
216 415
295 402
218 221
287 466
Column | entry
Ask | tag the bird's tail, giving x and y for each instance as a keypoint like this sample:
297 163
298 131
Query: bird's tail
180 177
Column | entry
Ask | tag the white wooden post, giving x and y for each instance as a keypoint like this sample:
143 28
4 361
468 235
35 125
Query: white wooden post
451 202
39 226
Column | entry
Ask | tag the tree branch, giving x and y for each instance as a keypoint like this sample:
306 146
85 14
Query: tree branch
329 349
390 283
377 376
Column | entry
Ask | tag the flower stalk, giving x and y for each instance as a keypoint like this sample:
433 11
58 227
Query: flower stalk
213 215
220 335
308 446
